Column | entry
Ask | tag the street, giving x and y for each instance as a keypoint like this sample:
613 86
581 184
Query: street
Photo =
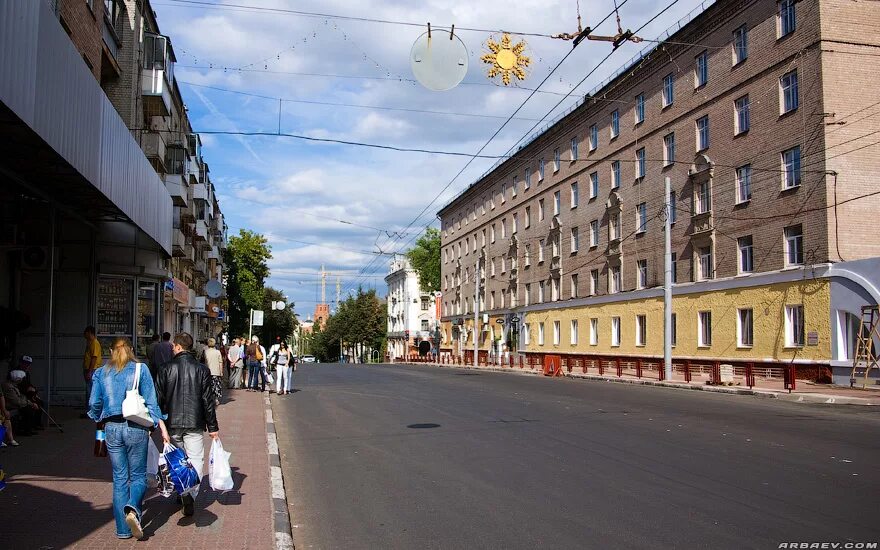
381 456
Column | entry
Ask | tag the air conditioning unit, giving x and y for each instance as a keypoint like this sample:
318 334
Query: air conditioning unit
36 258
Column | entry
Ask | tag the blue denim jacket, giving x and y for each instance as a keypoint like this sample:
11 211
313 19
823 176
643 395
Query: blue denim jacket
109 387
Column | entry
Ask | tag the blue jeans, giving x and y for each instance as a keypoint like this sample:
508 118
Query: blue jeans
127 447
255 371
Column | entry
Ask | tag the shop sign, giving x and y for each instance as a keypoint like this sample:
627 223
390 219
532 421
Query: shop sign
213 310
181 291
199 305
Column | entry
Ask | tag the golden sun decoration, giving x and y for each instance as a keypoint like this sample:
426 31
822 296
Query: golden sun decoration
506 59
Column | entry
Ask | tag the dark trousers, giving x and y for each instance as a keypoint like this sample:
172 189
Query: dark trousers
255 371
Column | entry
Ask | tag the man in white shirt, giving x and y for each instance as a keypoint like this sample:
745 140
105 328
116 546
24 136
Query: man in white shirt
236 363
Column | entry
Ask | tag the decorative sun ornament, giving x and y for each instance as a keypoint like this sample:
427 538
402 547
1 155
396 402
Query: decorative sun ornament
506 59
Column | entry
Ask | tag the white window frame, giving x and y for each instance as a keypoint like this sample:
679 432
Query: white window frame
594 282
740 45
492 233
513 186
541 334
794 245
594 185
701 70
527 177
641 274
555 290
641 163
575 194
742 117
744 184
668 91
669 149
704 329
641 330
594 137
557 337
639 109
503 192
705 263
541 244
527 217
527 256
527 294
745 254
789 99
615 123
594 233
745 328
615 174
615 282
573 285
786 18
573 148
795 330
702 198
573 332
557 203
641 218
526 336
575 240
594 331
702 129
791 168
615 332
541 292
514 223
556 160
541 170
503 228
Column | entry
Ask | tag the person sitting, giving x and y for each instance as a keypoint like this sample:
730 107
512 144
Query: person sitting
15 400
27 388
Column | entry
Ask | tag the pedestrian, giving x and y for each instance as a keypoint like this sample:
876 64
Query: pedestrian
126 441
91 360
284 369
236 364
256 362
214 362
17 401
185 393
163 352
150 353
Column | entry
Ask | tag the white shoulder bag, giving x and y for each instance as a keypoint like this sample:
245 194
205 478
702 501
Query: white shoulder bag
134 408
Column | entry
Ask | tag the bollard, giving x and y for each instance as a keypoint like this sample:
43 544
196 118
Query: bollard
750 375
619 367
638 368
687 372
601 367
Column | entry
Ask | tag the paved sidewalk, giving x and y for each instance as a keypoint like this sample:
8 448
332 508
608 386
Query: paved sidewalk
806 392
58 494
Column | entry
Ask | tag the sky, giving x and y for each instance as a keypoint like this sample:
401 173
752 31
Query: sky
345 207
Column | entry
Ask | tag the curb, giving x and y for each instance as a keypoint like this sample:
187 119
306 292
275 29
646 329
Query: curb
280 516
817 398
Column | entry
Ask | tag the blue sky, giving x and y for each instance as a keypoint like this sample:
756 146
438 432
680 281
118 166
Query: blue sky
293 191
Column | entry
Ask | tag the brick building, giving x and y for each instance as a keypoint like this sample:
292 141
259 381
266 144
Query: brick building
758 113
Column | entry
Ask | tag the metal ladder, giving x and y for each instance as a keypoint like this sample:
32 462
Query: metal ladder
865 357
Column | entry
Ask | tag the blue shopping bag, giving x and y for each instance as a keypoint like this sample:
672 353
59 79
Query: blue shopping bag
180 470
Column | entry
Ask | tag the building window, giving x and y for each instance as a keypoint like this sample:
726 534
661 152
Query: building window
740 45
492 201
744 184
513 186
514 223
641 167
794 326
594 233
674 267
594 137
674 331
540 250
556 333
594 282
614 229
503 264
574 332
556 160
492 300
744 335
702 198
503 228
673 208
669 149
746 254
540 210
555 246
594 332
525 334
541 292
640 109
701 71
668 90
785 17
794 245
594 186
492 233
574 148
791 168
483 238
555 295
503 193
741 120
615 174
574 285
527 178
641 218
641 330
703 133
704 329
557 200
614 280
788 92
615 124
540 334
575 240
541 170
527 256
528 294
615 331
704 255
527 221
574 194
641 273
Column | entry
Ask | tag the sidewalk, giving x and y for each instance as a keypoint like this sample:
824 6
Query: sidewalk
58 495
806 392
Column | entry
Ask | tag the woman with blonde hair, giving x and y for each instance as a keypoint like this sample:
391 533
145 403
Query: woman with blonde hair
126 441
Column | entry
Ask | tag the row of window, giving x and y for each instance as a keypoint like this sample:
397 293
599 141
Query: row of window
745 334
788 102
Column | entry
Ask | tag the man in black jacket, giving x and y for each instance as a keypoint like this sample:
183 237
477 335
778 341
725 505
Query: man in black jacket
185 392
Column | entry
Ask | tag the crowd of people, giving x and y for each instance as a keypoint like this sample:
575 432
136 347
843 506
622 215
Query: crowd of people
181 383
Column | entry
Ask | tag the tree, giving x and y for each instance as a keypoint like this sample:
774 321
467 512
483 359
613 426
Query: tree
246 259
276 322
425 259
359 323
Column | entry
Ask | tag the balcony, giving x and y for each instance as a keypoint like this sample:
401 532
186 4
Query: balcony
201 231
157 75
702 223
178 243
200 192
555 266
189 256
201 268
613 251
213 254
176 186
154 147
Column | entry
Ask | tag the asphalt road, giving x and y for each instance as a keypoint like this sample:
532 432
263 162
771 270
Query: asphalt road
391 457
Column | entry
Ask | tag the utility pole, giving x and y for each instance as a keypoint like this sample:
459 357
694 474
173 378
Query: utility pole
338 291
323 285
667 287
477 314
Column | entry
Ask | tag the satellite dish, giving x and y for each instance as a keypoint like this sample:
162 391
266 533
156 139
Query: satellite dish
439 61
213 288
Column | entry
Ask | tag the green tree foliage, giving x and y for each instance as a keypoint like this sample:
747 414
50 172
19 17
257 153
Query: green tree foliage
276 322
425 259
359 320
246 260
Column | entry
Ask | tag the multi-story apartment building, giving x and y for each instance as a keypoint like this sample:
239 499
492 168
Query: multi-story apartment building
87 221
758 112
412 312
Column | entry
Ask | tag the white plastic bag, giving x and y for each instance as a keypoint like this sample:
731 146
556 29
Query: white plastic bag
152 464
219 471
269 378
